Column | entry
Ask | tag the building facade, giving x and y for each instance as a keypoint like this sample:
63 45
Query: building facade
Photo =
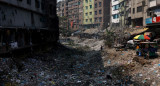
128 13
139 12
125 13
102 13
115 13
62 8
88 13
25 22
62 12
75 16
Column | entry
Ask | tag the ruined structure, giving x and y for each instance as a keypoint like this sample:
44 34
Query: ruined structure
24 23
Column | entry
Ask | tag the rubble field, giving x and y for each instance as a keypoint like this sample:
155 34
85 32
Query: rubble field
80 62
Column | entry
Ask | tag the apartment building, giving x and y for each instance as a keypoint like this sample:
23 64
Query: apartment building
62 12
23 22
75 14
124 11
139 12
62 8
115 13
128 13
153 12
102 13
85 13
88 13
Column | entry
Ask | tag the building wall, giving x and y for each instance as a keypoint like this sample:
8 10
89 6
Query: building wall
15 16
115 11
81 14
75 11
106 13
139 17
101 13
128 13
87 4
24 4
122 12
98 16
25 24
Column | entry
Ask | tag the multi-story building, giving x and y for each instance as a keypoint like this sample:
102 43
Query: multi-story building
128 13
122 12
139 12
125 13
96 13
153 8
88 13
75 11
27 22
62 8
85 13
153 20
62 12
115 13
102 13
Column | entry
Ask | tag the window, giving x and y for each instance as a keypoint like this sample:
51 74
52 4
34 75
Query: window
86 14
100 4
29 2
86 7
42 5
133 10
90 6
116 7
90 0
139 9
90 20
95 12
115 16
95 19
37 4
100 19
86 1
86 20
100 11
96 5
90 13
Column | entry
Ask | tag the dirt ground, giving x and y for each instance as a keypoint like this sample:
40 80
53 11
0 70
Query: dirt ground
145 72
81 62
122 64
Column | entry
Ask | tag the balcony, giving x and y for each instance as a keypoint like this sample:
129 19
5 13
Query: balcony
154 3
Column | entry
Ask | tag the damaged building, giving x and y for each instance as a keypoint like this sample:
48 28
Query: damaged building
24 23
